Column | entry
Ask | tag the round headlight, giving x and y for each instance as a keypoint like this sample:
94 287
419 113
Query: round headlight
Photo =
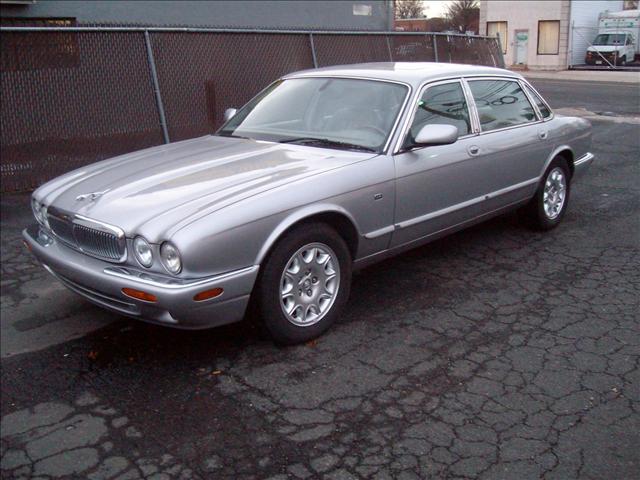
40 212
170 258
37 210
142 251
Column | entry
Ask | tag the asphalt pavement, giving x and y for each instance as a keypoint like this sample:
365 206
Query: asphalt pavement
497 352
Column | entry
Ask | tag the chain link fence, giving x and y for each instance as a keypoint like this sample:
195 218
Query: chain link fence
72 96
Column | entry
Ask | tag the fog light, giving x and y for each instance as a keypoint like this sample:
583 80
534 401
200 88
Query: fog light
207 294
139 295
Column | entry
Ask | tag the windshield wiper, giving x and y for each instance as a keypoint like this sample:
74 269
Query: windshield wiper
328 143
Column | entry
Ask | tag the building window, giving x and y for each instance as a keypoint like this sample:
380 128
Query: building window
548 37
495 29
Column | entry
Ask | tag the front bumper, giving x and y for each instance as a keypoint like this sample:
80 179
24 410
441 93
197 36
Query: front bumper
582 164
102 282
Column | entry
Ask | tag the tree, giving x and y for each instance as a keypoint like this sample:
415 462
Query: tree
463 15
409 9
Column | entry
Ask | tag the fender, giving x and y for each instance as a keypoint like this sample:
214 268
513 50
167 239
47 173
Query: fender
298 215
556 151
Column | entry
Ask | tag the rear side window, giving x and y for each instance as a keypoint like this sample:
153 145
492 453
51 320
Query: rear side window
441 104
544 110
501 104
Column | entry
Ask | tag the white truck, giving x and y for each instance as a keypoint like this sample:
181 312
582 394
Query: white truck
617 40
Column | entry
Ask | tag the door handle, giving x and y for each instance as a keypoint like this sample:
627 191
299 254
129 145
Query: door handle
542 135
473 150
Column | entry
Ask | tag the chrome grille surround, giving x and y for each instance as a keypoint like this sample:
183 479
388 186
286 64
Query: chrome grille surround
89 236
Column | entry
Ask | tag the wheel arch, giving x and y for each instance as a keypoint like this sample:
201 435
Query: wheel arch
332 215
564 151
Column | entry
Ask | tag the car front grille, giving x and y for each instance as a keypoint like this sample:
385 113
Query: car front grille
99 241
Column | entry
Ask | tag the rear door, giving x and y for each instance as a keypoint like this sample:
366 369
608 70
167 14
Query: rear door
514 139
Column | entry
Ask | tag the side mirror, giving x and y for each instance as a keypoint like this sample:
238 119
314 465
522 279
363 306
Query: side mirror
229 113
436 134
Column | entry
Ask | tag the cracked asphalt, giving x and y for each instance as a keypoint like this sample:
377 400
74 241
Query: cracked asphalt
495 353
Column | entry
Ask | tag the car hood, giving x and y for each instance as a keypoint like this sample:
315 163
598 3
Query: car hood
605 48
149 191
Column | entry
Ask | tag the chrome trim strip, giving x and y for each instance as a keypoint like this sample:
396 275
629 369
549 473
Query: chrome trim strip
468 203
531 100
526 82
471 105
379 233
172 283
586 158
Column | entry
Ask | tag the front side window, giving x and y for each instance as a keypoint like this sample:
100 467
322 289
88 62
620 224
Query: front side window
440 104
500 104
548 37
544 110
322 112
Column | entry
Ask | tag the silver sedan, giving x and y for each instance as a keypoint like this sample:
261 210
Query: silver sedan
323 172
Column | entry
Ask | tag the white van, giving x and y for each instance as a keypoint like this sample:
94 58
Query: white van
617 39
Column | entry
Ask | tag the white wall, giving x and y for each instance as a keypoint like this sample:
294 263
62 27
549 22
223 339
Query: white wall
524 15
583 25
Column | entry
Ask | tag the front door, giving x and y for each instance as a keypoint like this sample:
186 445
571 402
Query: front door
521 45
439 186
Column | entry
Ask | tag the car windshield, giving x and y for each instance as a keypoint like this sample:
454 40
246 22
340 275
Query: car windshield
609 39
341 113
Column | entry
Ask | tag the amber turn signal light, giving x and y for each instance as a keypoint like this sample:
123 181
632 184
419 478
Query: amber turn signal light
26 244
139 295
207 294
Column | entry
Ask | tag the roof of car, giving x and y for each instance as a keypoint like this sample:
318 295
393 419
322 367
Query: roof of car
409 72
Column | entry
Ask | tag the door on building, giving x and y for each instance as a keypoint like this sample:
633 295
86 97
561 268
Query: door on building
521 43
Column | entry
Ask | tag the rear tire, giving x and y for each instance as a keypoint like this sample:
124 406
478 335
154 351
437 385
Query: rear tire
547 208
304 283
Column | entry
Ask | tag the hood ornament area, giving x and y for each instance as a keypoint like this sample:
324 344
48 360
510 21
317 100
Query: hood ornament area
92 197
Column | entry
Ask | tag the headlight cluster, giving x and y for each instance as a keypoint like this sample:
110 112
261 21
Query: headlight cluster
169 255
40 212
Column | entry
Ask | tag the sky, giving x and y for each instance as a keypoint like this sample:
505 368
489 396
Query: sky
435 8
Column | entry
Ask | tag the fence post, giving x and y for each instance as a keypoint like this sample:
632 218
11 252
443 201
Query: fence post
156 87
389 48
435 46
313 51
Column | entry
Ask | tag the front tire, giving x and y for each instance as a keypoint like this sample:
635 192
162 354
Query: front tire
304 284
547 208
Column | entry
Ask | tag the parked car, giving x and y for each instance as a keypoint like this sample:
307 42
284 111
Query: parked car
323 172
